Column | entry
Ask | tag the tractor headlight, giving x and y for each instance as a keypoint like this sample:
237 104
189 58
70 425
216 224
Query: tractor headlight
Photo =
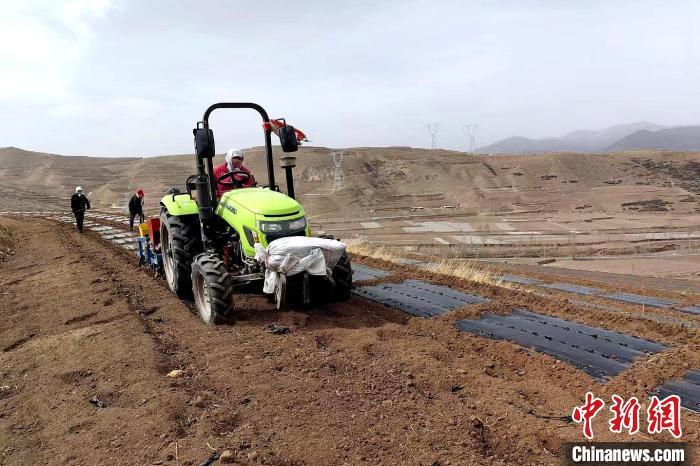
285 225
297 224
270 227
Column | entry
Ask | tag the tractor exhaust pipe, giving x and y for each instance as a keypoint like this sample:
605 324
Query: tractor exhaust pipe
288 162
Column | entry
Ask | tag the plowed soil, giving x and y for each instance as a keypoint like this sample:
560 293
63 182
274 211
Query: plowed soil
353 383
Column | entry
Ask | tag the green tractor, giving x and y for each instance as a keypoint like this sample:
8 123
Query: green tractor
208 245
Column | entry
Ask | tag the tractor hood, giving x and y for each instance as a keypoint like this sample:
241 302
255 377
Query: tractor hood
263 201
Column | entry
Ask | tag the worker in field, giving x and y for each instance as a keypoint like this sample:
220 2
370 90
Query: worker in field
136 208
79 203
233 163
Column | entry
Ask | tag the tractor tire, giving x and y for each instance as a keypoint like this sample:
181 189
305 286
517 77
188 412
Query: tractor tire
342 276
212 285
180 241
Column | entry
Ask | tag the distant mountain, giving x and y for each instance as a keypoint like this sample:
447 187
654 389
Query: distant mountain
681 138
576 141
595 140
522 145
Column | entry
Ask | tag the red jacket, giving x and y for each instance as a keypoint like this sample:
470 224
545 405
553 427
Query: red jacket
223 169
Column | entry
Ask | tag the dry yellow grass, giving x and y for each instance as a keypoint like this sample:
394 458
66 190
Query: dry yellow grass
469 271
452 267
365 248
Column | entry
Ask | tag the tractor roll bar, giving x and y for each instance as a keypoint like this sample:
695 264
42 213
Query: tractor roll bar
207 198
266 128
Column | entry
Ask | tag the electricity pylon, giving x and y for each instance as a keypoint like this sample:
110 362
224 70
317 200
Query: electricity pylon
432 130
339 179
470 132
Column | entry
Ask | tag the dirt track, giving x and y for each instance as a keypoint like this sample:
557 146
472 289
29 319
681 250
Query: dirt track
351 384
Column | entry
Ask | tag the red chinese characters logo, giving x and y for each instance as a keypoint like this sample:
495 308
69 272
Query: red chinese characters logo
626 415
661 415
665 415
587 412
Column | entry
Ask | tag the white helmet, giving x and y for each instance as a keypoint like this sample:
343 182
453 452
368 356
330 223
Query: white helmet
78 189
233 154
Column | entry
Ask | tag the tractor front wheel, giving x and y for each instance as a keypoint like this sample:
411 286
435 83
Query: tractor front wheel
212 285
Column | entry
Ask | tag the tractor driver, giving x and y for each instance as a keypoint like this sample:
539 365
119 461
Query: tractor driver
241 174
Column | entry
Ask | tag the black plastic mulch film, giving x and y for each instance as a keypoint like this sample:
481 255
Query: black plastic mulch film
598 352
418 298
688 388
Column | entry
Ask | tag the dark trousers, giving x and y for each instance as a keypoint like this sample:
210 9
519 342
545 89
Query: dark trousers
131 219
79 216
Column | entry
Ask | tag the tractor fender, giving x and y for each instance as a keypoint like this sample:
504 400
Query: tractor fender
180 204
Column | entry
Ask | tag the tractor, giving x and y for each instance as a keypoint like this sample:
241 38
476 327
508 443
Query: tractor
208 244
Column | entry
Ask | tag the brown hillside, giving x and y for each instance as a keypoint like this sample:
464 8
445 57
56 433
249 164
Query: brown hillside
379 181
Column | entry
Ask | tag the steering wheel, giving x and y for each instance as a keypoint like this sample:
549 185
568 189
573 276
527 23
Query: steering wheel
234 182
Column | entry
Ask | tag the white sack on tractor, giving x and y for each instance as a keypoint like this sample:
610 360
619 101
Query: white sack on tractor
296 254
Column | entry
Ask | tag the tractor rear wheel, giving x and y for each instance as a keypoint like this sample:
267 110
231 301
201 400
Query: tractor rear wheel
342 276
212 285
180 241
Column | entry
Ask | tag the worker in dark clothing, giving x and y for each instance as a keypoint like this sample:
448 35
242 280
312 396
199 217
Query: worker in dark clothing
79 203
136 208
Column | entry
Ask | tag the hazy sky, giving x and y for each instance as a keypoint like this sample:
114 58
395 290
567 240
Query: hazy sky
121 77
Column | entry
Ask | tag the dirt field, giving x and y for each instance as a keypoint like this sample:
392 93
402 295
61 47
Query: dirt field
6 243
355 383
687 267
